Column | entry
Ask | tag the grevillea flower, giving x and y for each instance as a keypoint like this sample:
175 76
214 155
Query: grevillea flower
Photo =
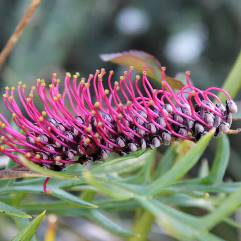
87 122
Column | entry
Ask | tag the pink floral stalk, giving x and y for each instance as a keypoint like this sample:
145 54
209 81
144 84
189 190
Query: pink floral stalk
87 122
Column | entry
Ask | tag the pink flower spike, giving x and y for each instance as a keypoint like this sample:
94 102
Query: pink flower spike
87 122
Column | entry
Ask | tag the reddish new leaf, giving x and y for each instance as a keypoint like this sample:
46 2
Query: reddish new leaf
141 60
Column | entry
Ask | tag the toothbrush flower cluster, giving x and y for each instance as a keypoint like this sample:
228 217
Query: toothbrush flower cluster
88 121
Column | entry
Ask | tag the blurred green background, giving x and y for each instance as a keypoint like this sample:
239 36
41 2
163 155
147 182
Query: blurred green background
201 36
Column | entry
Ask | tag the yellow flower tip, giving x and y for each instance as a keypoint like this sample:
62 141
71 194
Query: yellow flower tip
102 70
88 129
107 91
75 76
5 95
12 88
37 139
121 77
20 83
14 115
111 72
131 67
82 81
138 77
87 85
99 76
87 140
58 81
97 71
44 113
37 156
51 86
150 103
78 74
57 97
2 138
31 95
28 155
3 125
41 118
97 135
33 88
97 104
29 99
68 74
6 88
188 72
10 98
120 116
93 113
38 81
57 158
43 84
2 148
54 75
163 68
129 102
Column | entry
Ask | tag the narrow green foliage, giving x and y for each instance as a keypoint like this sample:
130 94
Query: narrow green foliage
220 162
233 81
109 224
69 198
44 171
166 161
12 211
27 233
226 208
182 166
143 226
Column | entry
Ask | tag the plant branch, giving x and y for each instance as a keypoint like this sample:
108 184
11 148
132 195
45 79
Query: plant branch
13 174
18 31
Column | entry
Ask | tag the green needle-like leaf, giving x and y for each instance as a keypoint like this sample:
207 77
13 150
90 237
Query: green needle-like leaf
182 166
233 81
220 162
27 233
108 224
48 173
12 211
227 207
68 197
